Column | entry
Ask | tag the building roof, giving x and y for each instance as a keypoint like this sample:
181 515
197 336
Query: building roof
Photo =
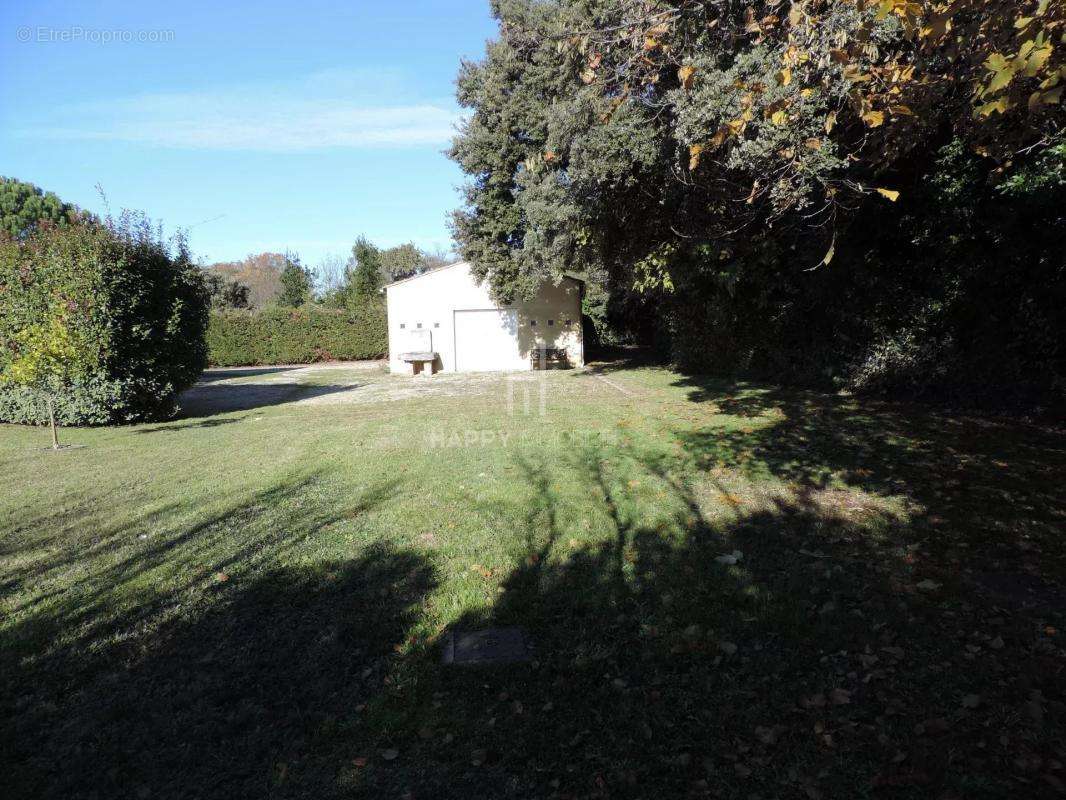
424 274
456 264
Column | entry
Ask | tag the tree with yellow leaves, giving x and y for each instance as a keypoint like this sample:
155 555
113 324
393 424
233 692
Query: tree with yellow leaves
46 357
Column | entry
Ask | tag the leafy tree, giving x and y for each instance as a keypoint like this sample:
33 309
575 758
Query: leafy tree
23 205
106 316
364 271
295 283
680 151
622 136
261 273
368 268
47 357
401 261
226 293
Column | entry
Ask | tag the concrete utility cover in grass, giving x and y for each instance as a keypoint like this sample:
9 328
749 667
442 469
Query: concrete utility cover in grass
506 645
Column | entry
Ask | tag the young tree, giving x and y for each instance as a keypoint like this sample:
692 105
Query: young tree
330 280
364 272
295 283
46 358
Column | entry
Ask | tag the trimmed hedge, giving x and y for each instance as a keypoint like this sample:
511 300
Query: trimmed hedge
138 306
296 336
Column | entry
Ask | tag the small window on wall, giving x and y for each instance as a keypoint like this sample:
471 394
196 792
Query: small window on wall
569 322
436 324
551 322
419 325
403 325
532 323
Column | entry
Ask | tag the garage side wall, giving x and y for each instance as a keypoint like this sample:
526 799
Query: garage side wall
557 313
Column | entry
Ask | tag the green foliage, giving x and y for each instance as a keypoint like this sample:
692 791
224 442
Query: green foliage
756 171
364 272
401 261
23 205
109 318
46 355
368 269
299 336
226 293
296 283
261 273
956 294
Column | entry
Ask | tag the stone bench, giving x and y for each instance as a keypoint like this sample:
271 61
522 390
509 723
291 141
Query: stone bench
421 363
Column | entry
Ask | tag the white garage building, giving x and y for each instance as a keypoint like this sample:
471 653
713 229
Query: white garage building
445 320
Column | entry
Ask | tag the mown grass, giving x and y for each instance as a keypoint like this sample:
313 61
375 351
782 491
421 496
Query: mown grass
251 603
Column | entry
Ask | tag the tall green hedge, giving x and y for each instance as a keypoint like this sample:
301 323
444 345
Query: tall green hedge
137 303
296 336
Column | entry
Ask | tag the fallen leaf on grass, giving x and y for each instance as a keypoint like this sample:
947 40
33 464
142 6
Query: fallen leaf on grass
730 559
840 697
932 727
390 754
971 701
814 701
927 585
478 757
359 762
912 778
221 577
1054 782
727 647
769 735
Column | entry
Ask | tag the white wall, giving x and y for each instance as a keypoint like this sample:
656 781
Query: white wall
432 300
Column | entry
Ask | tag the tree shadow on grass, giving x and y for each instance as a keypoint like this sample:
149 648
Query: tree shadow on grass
195 662
986 488
223 373
617 359
197 424
261 694
815 666
205 400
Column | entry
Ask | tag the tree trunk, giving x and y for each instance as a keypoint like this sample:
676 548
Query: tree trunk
52 422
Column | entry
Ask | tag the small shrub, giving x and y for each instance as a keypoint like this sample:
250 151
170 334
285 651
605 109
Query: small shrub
296 336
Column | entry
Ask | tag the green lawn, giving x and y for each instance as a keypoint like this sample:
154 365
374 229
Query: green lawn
251 602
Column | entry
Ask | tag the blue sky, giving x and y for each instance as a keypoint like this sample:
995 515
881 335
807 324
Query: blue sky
256 126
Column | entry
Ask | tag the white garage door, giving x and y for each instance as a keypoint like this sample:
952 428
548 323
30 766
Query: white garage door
486 340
